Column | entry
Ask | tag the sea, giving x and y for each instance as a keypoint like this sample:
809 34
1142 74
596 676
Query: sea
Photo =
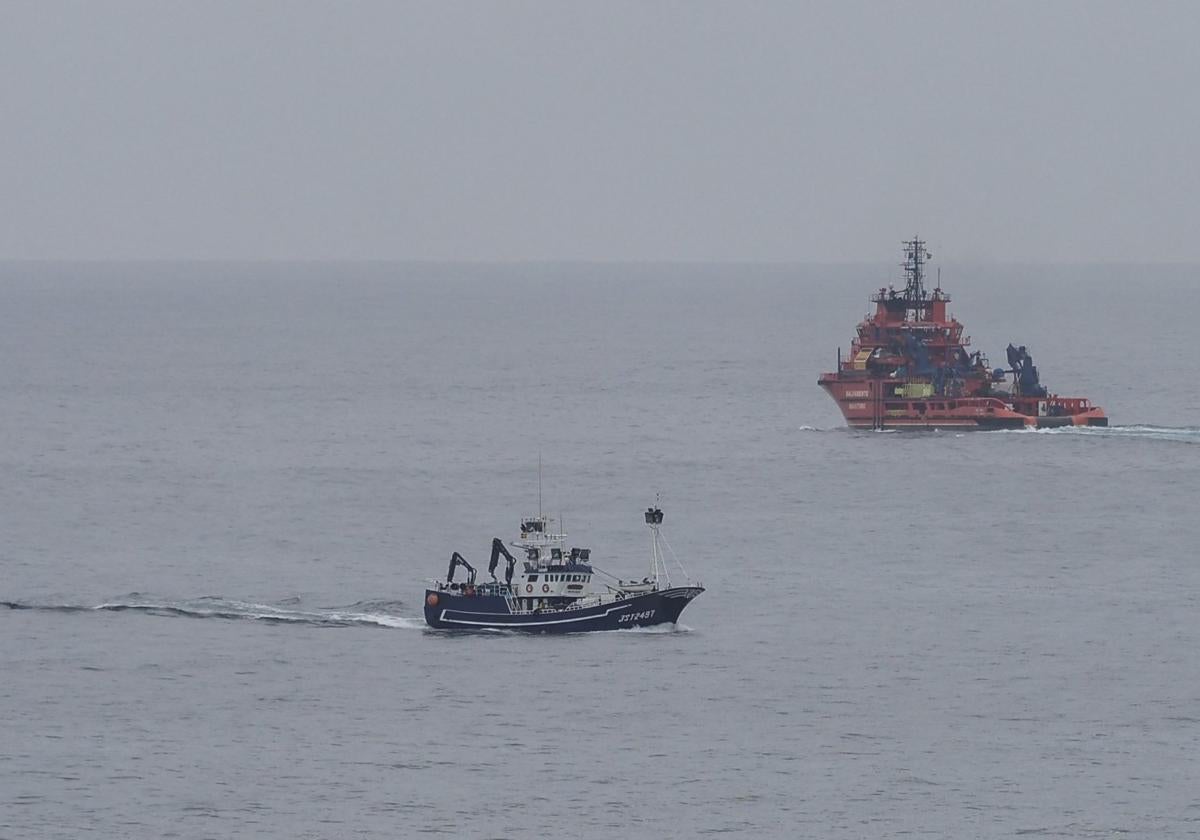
224 487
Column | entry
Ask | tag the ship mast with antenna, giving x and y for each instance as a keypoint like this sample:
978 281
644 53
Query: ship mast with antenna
915 256
654 518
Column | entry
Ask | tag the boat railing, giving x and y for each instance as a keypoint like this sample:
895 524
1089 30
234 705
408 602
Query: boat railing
487 587
595 599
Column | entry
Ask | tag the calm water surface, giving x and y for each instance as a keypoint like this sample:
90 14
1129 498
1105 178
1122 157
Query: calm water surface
223 485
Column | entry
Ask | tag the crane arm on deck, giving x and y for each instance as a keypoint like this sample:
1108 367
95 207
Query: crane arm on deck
457 560
497 550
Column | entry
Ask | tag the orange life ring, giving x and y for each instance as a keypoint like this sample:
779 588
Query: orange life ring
529 587
545 587
431 599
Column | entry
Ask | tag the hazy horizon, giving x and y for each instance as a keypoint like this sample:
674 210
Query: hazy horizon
763 263
668 132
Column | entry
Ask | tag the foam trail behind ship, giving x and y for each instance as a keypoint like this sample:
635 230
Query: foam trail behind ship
1175 434
360 614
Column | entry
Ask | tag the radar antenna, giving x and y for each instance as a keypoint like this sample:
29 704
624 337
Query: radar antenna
915 257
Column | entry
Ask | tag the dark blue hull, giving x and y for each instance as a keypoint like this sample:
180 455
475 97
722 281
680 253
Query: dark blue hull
451 611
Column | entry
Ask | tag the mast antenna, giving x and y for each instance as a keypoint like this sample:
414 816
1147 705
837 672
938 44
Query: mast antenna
539 485
915 256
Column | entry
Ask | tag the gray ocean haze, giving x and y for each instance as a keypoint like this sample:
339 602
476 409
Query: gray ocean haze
223 486
619 130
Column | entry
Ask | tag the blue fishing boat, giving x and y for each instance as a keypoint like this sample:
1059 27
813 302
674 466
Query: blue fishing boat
558 590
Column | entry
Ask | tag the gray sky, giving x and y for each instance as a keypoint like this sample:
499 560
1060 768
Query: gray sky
1060 131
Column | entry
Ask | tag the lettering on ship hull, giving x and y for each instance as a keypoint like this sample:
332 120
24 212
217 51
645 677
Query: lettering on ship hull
637 616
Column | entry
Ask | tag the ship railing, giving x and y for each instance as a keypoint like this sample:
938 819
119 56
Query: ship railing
487 587
594 599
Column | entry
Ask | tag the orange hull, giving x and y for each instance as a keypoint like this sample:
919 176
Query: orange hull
865 405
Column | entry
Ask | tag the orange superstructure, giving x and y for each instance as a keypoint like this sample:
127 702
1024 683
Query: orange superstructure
910 366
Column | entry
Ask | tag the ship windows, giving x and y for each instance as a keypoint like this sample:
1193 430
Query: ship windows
533 578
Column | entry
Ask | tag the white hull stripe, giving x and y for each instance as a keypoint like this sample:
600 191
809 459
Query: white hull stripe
605 614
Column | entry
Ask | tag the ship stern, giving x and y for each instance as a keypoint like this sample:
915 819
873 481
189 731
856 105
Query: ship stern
853 399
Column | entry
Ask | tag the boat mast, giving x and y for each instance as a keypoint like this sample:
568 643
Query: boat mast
653 549
654 518
915 256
